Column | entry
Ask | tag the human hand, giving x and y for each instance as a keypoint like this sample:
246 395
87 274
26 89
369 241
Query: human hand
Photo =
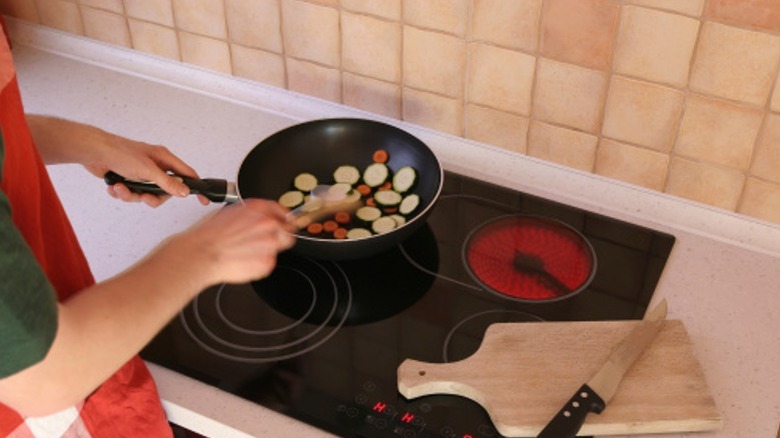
145 162
239 243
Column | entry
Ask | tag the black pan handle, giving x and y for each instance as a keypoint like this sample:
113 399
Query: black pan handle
568 421
215 190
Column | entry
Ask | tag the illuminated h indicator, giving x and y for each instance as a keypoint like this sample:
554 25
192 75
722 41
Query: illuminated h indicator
407 418
380 407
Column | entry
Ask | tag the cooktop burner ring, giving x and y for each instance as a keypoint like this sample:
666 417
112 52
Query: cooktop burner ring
318 336
528 258
509 316
281 329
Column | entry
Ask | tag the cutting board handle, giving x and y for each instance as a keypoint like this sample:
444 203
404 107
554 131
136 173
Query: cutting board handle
416 379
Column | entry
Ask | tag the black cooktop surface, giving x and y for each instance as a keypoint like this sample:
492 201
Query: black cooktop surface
320 341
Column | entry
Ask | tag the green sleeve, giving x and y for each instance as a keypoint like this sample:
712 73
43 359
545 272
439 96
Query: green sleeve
28 304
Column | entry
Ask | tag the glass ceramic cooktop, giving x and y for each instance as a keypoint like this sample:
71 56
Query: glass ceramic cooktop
320 341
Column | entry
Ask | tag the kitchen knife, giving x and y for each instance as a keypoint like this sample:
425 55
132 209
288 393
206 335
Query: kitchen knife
594 395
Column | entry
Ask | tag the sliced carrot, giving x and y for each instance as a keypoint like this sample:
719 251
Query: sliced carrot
370 202
330 226
340 233
342 217
390 210
363 189
314 228
386 186
380 156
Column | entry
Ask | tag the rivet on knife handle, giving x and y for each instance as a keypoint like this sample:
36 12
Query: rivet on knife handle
569 419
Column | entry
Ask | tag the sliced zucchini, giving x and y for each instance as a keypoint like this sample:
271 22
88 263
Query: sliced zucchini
359 233
387 198
339 190
404 179
305 182
368 214
291 199
383 225
409 204
399 219
347 175
376 174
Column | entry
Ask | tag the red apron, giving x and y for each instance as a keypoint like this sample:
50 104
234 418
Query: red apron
127 405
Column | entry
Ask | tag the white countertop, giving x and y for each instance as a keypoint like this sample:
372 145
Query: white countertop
722 279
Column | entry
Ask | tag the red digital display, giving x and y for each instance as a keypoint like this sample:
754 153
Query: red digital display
379 406
407 417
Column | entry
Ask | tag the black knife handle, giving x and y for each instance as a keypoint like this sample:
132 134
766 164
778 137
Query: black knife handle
215 190
569 419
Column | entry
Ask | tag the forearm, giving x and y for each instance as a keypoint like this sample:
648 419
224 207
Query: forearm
102 328
63 141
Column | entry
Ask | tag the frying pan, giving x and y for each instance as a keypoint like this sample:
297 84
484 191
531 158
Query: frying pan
319 147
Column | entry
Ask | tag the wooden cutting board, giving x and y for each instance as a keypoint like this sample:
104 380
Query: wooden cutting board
523 373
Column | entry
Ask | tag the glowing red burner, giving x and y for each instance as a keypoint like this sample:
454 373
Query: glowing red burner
530 258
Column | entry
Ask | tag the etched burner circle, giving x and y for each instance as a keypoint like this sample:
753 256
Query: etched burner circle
236 323
466 336
529 258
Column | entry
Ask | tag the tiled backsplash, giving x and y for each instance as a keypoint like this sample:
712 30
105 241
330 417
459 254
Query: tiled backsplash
679 96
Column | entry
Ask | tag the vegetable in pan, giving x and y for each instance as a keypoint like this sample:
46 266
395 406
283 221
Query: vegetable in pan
386 197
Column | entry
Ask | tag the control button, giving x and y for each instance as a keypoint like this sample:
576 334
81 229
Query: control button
447 432
410 434
341 408
352 412
361 399
425 407
380 423
369 386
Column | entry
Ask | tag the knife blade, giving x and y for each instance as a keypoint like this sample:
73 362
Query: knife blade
594 395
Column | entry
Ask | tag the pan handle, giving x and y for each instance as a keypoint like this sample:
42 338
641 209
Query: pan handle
215 190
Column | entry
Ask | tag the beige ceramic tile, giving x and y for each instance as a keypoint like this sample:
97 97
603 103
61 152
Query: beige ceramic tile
153 38
390 9
505 130
569 95
687 7
632 164
205 52
202 17
311 32
642 113
433 61
509 23
156 11
372 95
108 5
314 80
761 200
705 183
258 65
23 9
579 31
655 45
436 112
254 23
60 15
371 47
105 26
563 146
760 14
718 132
448 16
735 63
766 160
500 78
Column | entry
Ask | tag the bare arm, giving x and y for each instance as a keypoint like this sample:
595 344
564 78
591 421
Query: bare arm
63 141
102 327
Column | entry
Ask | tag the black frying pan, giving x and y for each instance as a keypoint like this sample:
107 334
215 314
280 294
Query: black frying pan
319 147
